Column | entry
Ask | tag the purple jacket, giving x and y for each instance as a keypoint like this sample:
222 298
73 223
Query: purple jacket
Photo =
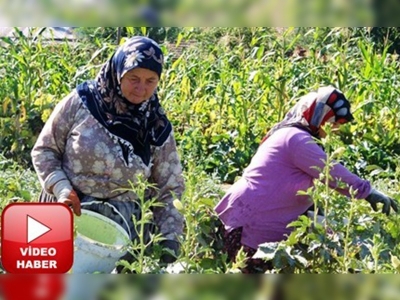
264 200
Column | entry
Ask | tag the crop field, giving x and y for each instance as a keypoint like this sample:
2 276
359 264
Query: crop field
223 88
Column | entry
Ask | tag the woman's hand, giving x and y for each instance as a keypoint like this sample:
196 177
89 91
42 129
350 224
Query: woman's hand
66 194
377 197
73 201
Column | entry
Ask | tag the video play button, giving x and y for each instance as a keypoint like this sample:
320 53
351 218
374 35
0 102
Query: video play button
35 229
37 238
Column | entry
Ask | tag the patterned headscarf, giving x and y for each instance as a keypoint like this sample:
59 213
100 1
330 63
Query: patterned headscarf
313 110
134 126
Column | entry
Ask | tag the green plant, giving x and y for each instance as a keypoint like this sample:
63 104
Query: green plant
16 183
144 259
35 75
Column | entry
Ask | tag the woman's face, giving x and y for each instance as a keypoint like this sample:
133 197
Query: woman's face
138 85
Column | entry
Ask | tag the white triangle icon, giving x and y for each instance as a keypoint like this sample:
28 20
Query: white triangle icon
35 229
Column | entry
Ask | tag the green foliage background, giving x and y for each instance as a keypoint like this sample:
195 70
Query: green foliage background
223 88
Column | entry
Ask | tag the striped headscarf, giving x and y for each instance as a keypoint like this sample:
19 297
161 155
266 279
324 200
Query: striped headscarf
313 110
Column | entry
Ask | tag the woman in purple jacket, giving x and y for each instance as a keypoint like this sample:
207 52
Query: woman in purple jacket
260 205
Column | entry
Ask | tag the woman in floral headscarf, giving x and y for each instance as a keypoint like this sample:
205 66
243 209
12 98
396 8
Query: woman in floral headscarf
105 134
259 206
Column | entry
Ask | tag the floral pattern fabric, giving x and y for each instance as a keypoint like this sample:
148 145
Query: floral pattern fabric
74 143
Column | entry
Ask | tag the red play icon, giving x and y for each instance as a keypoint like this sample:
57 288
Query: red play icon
37 238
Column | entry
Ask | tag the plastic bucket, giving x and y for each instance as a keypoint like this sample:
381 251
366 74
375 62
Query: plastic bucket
99 243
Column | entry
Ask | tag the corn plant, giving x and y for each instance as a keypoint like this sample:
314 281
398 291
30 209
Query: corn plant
35 75
223 89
